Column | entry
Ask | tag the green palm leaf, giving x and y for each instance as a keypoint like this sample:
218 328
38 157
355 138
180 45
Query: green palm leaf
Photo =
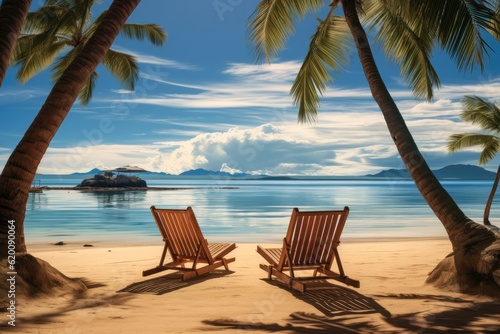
458 26
272 23
328 50
42 19
489 143
61 23
410 48
93 27
485 114
481 112
63 62
496 23
123 66
87 91
153 32
33 63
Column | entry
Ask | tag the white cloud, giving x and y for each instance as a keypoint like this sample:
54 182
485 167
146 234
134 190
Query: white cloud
248 86
275 72
350 136
227 169
152 60
341 144
486 88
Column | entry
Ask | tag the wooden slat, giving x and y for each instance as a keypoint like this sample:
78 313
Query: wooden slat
328 242
311 240
180 232
304 242
188 236
272 255
321 239
218 250
198 236
185 242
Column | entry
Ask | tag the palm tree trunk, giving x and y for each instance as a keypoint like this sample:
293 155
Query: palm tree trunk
20 169
12 16
461 230
487 208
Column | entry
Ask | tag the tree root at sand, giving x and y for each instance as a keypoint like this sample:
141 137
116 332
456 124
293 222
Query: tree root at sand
33 278
474 269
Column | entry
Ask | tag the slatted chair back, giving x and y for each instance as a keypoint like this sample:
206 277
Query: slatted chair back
313 236
181 231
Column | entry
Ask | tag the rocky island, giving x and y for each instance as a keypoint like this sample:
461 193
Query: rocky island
110 180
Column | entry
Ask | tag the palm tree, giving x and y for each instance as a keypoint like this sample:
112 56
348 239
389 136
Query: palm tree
487 116
20 169
408 31
12 16
60 25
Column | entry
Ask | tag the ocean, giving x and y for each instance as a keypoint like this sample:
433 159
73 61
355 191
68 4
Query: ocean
243 210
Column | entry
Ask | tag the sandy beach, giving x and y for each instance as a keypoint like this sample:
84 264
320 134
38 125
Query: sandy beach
392 298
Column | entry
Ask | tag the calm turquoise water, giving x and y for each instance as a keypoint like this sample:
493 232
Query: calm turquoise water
255 211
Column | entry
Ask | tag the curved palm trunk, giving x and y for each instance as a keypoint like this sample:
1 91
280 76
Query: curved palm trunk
487 208
20 169
12 16
462 231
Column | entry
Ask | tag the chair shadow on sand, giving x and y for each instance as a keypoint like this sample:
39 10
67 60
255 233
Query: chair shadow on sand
331 299
462 315
344 311
170 282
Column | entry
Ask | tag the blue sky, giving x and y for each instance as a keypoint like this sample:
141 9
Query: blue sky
203 102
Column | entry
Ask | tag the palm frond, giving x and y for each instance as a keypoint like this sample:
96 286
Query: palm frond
57 19
272 22
42 19
62 3
153 32
490 144
495 23
123 66
28 43
404 44
61 23
328 50
25 44
87 91
90 30
33 63
489 151
50 33
63 62
82 9
481 112
67 26
458 26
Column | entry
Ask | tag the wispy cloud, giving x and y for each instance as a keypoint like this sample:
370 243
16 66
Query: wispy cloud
11 96
350 136
337 146
247 86
152 60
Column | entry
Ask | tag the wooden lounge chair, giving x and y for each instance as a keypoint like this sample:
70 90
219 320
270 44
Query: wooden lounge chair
185 242
310 244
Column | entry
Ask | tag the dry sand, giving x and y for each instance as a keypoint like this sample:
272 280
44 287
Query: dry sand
392 299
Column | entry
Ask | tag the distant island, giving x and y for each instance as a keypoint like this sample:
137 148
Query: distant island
451 172
110 180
